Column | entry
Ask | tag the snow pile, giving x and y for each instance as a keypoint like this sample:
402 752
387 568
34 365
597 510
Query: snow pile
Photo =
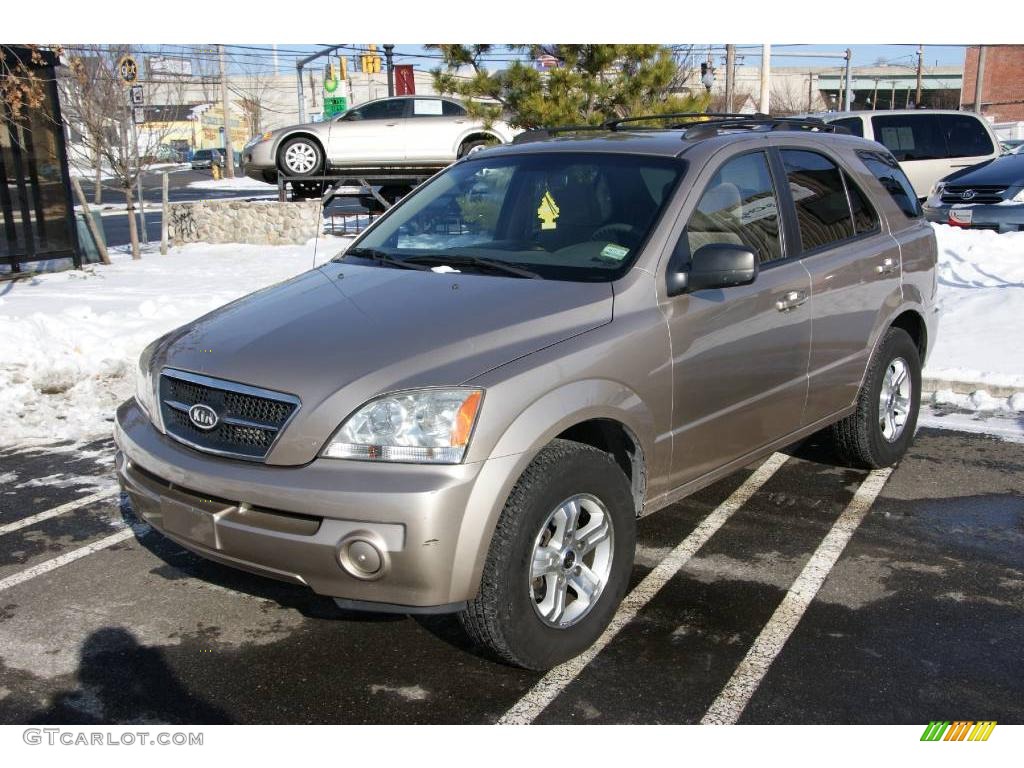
239 182
981 307
69 341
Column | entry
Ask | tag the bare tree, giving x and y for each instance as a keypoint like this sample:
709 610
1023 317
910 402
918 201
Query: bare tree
98 101
250 88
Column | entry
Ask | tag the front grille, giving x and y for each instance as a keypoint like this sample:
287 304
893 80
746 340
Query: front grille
984 194
248 418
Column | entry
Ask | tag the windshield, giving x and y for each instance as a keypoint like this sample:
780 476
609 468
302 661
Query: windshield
559 216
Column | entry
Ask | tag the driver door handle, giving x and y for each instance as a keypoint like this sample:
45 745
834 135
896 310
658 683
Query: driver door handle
791 300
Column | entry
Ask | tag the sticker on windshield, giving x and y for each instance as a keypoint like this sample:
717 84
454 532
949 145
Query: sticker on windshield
614 252
548 211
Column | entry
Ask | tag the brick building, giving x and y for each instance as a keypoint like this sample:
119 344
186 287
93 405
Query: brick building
1002 91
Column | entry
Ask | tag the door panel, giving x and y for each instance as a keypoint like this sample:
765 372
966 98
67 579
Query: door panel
740 367
430 133
373 133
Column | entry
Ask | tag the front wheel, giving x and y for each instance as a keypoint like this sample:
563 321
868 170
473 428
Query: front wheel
300 157
559 561
880 430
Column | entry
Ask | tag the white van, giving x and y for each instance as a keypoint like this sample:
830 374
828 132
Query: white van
929 144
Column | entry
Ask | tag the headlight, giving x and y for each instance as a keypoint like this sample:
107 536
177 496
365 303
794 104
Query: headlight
1019 197
431 426
935 196
144 394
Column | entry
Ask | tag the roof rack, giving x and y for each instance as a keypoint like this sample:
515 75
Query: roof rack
698 125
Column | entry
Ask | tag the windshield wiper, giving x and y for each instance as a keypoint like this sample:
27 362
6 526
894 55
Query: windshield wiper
476 261
385 258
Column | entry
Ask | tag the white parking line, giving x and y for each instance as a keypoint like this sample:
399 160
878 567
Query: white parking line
554 682
69 507
70 557
727 708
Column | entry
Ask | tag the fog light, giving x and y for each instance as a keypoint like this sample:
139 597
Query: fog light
363 555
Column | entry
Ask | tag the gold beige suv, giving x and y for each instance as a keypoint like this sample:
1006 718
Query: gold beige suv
468 410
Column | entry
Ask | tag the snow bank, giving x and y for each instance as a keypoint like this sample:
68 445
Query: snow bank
239 182
69 340
981 307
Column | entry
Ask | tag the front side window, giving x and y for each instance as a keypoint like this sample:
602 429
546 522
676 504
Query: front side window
739 206
561 216
378 110
853 124
893 180
822 210
965 136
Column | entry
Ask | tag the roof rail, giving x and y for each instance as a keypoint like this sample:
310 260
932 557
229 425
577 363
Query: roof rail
703 130
698 125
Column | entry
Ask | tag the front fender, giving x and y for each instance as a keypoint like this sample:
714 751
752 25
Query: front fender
535 426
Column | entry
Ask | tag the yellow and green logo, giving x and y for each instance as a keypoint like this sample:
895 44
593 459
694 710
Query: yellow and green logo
958 730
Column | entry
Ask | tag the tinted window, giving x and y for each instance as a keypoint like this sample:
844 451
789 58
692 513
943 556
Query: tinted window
822 211
894 180
739 206
853 124
379 110
965 136
451 109
911 137
864 217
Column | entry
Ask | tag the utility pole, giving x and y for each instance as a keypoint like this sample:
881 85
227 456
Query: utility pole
389 51
229 153
920 72
730 76
848 103
980 80
766 78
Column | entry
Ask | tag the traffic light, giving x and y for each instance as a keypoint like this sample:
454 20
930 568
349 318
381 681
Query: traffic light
370 59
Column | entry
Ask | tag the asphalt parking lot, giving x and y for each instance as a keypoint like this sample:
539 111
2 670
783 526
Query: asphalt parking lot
919 618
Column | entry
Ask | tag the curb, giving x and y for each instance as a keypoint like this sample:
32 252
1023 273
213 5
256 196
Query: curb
931 385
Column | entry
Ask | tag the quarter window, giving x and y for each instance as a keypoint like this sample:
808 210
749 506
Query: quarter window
739 206
864 217
451 109
894 180
822 210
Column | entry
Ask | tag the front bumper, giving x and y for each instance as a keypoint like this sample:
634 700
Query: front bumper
1008 217
430 524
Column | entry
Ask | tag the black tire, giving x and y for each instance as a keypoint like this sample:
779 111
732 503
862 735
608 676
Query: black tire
312 150
502 617
858 439
476 145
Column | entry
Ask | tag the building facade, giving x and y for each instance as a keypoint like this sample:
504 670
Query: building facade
1002 87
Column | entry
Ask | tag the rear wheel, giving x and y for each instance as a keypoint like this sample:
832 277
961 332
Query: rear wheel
880 430
560 559
476 145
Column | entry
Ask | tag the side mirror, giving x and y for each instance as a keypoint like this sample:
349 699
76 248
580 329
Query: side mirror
716 265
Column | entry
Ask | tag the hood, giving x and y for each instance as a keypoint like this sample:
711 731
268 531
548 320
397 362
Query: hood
339 335
1006 171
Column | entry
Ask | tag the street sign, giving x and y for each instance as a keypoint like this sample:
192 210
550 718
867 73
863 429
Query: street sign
334 105
139 115
137 96
128 69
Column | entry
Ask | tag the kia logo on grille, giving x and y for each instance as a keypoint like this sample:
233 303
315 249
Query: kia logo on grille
967 194
203 416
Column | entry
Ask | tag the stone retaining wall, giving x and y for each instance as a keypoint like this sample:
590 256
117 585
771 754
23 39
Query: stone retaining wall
239 221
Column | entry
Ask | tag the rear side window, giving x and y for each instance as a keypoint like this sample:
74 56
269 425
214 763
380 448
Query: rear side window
864 217
822 211
739 206
910 137
931 136
894 180
853 124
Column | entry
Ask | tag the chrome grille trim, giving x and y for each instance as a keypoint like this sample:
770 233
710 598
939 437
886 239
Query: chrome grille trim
244 431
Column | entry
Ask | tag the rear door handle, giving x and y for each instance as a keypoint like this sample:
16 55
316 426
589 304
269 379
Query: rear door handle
887 267
791 300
